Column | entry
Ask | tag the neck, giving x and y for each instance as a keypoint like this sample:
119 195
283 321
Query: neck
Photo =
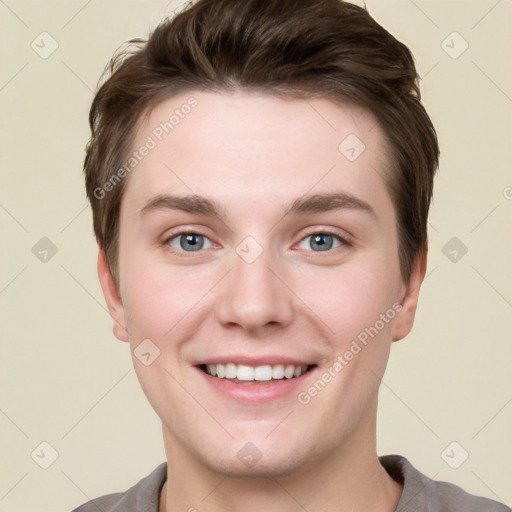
349 478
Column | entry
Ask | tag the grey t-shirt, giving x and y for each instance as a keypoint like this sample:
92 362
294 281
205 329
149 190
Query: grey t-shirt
420 493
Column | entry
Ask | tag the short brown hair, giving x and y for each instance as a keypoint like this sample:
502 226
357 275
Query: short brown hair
298 48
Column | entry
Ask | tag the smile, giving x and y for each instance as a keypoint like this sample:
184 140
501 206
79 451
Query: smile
262 373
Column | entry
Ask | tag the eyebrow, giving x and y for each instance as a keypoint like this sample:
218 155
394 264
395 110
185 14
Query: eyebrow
316 203
319 203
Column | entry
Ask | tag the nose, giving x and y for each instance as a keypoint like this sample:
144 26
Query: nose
254 295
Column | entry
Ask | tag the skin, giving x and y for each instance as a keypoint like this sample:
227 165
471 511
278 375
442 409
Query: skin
254 154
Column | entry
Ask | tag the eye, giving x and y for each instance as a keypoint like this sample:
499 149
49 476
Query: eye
189 242
321 242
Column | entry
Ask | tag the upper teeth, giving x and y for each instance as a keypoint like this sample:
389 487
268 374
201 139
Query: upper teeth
265 372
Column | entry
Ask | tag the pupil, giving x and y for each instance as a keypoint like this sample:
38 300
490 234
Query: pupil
191 242
320 241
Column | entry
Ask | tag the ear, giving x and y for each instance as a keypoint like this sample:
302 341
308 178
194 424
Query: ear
404 320
112 297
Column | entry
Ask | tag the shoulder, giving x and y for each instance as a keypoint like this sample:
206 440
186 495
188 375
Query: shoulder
422 494
107 503
143 496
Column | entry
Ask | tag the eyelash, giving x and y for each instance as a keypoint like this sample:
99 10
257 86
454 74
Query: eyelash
344 242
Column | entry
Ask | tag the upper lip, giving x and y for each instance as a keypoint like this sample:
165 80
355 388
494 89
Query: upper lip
254 361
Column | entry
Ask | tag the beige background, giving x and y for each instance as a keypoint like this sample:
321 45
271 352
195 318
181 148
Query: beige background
66 380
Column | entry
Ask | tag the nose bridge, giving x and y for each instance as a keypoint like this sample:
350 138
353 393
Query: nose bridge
253 296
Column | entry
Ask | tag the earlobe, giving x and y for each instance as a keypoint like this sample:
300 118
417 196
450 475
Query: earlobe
112 297
405 318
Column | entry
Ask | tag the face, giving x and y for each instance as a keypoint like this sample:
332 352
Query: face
260 286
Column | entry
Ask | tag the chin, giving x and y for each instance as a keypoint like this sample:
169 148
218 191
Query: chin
260 457
272 464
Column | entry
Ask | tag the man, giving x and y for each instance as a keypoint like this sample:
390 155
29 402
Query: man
260 175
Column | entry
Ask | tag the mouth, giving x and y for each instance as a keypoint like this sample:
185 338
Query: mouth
255 379
261 374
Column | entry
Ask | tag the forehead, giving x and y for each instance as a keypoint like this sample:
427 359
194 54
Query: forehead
254 146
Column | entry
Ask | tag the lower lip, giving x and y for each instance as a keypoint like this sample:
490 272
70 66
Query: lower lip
254 391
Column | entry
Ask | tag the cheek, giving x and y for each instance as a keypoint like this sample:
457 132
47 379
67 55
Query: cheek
158 299
358 304
351 298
